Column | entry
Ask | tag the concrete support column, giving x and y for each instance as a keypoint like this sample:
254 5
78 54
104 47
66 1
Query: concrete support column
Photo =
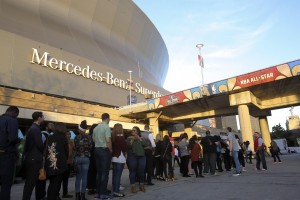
245 124
264 127
154 126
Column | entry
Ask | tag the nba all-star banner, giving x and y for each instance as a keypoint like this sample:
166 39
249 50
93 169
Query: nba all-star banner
243 81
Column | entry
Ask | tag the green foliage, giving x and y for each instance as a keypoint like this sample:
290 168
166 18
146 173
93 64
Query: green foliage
278 132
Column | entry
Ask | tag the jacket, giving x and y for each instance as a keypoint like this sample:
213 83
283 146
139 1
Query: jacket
56 154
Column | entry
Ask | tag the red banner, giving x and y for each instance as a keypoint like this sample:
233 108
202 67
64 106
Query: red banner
258 77
172 99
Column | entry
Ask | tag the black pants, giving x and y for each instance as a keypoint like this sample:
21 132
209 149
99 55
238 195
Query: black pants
158 166
65 180
241 158
227 160
210 160
184 167
249 157
275 154
149 165
32 172
197 165
219 162
168 161
54 186
7 169
92 173
176 158
40 189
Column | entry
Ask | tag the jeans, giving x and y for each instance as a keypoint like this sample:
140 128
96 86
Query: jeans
136 166
260 157
103 161
82 166
235 156
7 166
116 176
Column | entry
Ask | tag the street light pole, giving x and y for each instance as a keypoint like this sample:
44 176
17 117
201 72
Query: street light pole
130 85
199 46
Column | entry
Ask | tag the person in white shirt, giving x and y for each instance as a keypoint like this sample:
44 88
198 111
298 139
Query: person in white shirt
234 148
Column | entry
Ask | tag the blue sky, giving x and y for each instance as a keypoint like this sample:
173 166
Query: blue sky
239 36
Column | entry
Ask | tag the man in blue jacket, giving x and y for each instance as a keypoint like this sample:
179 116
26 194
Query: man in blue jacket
8 150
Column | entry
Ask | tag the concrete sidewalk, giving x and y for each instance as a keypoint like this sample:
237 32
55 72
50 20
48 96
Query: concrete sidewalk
280 181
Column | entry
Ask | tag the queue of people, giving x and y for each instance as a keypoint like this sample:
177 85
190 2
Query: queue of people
48 146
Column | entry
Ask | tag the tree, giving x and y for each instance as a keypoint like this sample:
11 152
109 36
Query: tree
278 132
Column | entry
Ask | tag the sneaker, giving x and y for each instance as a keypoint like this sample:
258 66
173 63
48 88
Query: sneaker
263 169
244 170
236 174
119 194
122 188
150 184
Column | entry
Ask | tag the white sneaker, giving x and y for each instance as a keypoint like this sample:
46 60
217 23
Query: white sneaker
236 174
122 188
244 170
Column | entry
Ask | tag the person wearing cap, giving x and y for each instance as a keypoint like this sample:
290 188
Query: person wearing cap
83 144
103 155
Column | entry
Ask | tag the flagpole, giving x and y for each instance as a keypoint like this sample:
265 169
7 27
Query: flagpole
130 85
199 46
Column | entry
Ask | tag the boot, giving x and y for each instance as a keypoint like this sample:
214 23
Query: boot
78 197
83 196
133 189
142 187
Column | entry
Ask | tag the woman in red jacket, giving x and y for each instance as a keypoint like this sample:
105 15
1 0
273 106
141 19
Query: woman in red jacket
196 156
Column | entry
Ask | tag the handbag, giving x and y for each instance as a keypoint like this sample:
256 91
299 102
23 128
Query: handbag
42 174
42 171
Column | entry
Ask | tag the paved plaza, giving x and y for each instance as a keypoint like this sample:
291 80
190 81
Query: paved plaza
280 181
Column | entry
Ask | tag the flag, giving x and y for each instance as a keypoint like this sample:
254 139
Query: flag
200 59
130 84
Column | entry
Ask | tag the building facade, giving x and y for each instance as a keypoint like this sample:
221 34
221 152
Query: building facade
76 55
